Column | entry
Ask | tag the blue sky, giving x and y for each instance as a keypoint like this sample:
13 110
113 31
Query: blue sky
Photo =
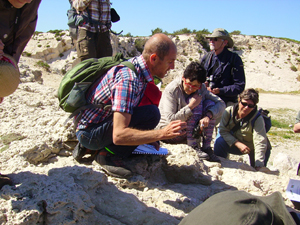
276 18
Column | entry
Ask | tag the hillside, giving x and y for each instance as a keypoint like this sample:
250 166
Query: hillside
52 188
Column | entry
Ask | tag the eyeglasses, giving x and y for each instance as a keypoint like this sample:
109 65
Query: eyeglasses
246 104
191 86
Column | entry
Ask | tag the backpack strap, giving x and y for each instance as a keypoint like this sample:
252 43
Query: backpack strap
255 118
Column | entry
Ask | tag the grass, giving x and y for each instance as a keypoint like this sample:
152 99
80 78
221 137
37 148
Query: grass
277 92
281 130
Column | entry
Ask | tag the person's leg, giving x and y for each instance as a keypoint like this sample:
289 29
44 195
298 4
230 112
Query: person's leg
191 122
218 120
207 104
221 148
104 47
100 136
85 45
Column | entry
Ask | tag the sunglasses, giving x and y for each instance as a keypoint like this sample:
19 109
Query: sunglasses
214 39
246 104
191 86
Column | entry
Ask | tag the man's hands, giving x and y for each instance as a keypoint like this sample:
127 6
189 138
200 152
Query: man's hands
174 129
242 147
1 49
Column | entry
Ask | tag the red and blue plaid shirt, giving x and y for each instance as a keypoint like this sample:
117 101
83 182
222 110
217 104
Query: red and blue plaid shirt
120 87
98 10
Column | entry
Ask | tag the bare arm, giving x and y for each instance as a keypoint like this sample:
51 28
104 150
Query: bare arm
124 135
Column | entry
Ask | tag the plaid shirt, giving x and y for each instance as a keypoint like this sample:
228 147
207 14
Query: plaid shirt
98 10
120 87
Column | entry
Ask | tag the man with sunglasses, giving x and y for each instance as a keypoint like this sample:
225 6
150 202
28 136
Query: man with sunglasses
187 99
241 131
225 70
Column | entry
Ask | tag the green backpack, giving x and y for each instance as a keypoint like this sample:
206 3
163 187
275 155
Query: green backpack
73 87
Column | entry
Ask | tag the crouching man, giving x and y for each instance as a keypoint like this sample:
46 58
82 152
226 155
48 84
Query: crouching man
118 131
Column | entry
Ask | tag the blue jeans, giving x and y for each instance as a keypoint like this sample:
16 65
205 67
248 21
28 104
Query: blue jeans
221 148
99 136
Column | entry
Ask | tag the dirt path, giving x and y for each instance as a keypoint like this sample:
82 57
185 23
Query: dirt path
279 101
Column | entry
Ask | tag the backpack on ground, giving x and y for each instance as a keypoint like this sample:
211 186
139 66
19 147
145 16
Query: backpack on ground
72 90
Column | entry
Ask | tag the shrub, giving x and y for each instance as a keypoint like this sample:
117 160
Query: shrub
28 54
182 31
235 32
43 65
158 30
293 68
61 54
39 46
139 44
202 40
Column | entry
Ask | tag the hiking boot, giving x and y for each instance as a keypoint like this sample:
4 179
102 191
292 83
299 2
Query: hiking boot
212 156
4 180
112 165
80 151
201 154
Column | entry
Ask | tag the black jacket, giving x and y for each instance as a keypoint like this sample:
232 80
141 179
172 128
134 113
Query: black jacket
16 36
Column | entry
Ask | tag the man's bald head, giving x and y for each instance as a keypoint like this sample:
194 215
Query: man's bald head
160 44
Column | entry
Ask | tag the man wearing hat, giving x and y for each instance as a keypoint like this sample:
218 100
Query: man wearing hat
225 70
18 20
240 207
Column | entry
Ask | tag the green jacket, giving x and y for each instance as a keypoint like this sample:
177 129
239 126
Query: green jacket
255 138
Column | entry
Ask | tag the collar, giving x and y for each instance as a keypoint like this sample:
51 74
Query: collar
142 67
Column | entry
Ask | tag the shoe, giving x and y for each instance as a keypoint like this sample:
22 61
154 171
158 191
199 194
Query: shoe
79 151
4 180
201 154
212 156
112 165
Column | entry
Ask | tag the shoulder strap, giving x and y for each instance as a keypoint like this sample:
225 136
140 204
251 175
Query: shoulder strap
230 115
255 118
130 66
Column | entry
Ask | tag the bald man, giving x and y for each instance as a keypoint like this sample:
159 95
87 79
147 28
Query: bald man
116 132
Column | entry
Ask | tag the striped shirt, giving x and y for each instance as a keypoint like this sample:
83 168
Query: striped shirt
98 10
120 87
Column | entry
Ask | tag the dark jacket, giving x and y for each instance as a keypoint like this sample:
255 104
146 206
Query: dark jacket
22 31
230 85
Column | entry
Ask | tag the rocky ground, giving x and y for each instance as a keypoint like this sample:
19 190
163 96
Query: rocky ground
52 188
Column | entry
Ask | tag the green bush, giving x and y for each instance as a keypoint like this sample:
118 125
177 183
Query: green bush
139 44
235 32
158 30
182 31
293 68
43 65
202 40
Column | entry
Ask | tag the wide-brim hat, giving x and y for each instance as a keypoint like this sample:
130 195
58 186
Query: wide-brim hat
9 75
240 207
223 34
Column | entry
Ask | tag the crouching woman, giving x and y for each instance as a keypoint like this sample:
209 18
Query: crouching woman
240 134
187 99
